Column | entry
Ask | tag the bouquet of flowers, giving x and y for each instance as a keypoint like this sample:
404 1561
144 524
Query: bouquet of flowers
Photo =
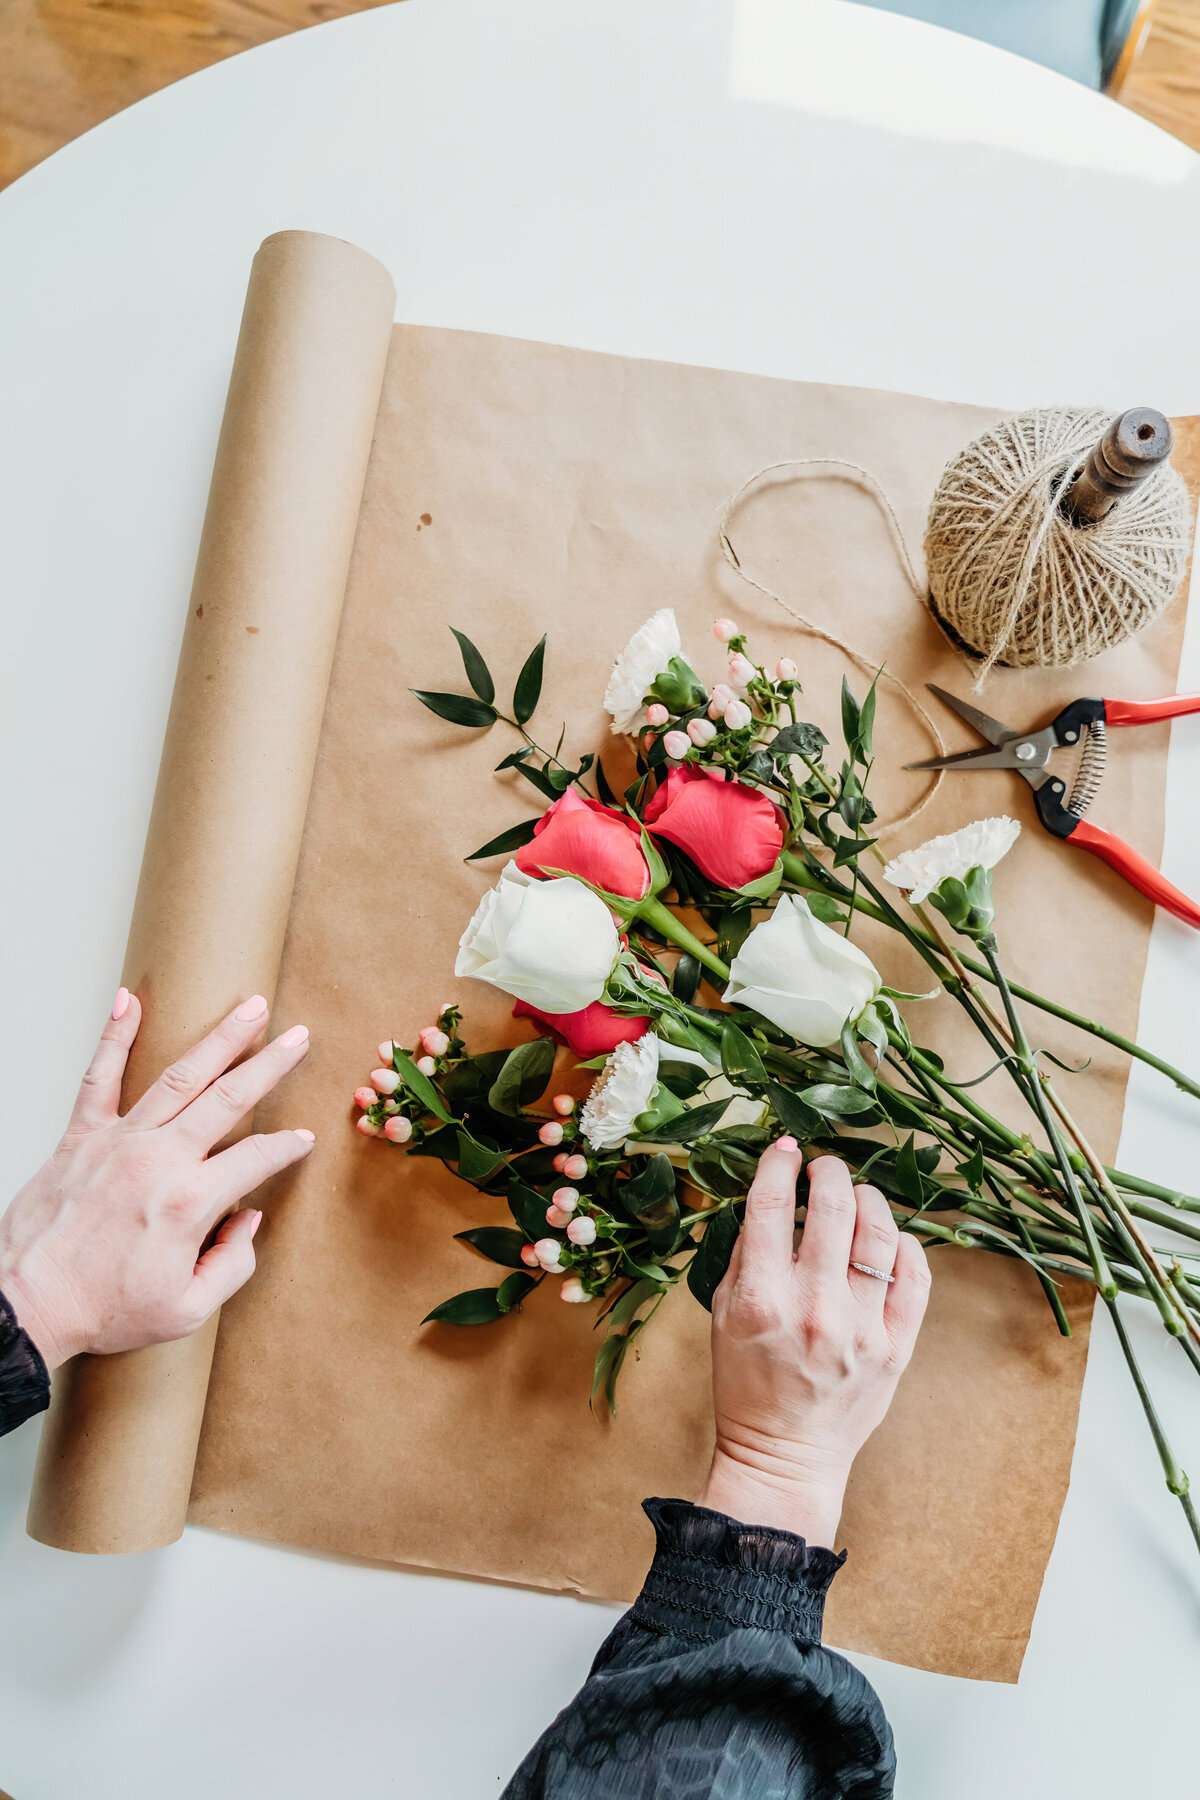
689 942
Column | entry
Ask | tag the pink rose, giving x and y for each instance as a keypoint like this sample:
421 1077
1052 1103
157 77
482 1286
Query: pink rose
581 837
597 1028
732 833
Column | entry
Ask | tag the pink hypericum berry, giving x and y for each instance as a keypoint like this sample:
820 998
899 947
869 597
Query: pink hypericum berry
556 1218
366 1127
385 1081
434 1041
426 1065
738 715
741 670
582 1231
722 696
573 1291
549 1252
560 1162
564 1105
385 1050
551 1132
575 1167
398 1130
392 1105
657 714
677 744
785 669
529 1256
701 732
723 630
566 1199
364 1097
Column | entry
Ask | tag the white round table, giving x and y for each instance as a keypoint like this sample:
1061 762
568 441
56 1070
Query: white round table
798 187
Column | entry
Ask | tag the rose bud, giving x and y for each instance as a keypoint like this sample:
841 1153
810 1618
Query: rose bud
564 1105
367 1128
582 1231
386 1050
723 630
573 1291
738 715
677 744
575 1167
549 1253
426 1066
385 1080
566 1199
434 1041
721 697
785 669
556 1218
551 1133
529 1256
398 1130
701 732
741 670
364 1097
657 714
559 1161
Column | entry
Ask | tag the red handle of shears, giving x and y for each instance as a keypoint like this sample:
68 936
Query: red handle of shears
1136 870
1148 712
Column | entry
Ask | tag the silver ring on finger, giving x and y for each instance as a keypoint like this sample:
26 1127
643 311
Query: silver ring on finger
877 1274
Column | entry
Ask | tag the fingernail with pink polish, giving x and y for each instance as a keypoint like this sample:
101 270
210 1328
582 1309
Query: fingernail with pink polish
298 1034
786 1143
121 1003
257 1222
253 1008
310 1137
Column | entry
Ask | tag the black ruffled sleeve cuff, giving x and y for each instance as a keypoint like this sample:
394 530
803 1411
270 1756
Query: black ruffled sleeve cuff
24 1380
712 1575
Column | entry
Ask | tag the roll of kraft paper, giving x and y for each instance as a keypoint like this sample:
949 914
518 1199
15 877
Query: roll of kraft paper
119 1445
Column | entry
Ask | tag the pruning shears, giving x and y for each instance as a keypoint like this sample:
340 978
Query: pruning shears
1083 722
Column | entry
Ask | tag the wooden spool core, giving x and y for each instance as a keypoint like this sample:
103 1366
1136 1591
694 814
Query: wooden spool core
1132 448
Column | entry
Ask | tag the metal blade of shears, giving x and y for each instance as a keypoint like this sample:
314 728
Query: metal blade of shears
983 723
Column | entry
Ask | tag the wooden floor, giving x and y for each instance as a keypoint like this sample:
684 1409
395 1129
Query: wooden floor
67 64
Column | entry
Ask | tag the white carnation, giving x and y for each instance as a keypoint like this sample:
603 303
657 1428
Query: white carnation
978 845
644 658
623 1089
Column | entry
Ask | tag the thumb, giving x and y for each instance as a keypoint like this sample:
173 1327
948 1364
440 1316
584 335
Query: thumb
226 1265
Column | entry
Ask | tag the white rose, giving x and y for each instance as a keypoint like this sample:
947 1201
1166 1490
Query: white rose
644 658
802 976
623 1089
552 944
979 845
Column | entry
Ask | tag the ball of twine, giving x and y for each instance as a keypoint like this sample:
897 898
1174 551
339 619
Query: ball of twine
1013 580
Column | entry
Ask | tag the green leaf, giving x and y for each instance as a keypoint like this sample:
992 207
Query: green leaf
419 1084
466 1084
515 758
800 1119
528 690
685 978
665 1105
733 928
825 908
507 840
866 724
528 1208
739 1058
513 1289
609 1358
907 1172
691 1124
497 1242
602 788
797 740
458 708
650 1197
477 1162
541 780
833 1102
678 688
860 1070
765 886
850 717
526 1071
972 1170
635 1295
478 1306
478 673
707 1268
662 1278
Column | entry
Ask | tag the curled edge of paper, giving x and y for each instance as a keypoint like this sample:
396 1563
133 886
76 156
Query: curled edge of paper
118 1448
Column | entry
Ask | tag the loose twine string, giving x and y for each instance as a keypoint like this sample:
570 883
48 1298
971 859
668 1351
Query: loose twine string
831 637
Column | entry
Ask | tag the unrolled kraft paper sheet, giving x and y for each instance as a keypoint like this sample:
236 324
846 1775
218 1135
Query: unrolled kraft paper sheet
513 488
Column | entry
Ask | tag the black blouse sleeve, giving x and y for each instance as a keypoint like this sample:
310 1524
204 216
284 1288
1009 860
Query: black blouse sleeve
24 1383
714 1686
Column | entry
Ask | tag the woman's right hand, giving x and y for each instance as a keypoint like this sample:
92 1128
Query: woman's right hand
104 1249
807 1350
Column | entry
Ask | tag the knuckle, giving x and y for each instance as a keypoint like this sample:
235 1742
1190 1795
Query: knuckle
224 1091
265 1151
180 1077
756 1308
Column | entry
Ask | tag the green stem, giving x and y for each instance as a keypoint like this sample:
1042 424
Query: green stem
652 911
1177 1481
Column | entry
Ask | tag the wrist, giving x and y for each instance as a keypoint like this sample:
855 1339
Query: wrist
784 1493
54 1341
